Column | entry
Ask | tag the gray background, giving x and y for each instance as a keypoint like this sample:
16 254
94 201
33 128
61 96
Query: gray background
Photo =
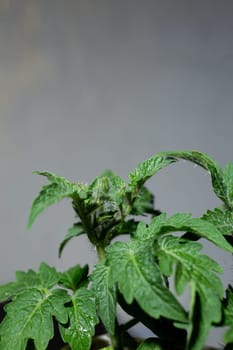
87 85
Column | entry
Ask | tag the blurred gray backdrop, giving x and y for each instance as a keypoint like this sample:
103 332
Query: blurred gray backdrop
87 85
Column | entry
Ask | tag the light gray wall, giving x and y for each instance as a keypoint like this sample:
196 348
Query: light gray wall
87 85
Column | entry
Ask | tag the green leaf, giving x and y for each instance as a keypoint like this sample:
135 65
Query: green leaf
73 277
203 160
222 219
75 231
29 316
125 228
228 177
58 189
82 320
105 296
143 203
228 314
228 337
108 186
24 280
133 268
117 187
151 344
46 278
148 168
8 290
191 264
161 225
106 201
197 269
228 306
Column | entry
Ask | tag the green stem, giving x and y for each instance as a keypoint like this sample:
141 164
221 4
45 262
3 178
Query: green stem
101 252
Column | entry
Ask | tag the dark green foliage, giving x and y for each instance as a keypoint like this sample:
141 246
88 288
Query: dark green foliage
135 274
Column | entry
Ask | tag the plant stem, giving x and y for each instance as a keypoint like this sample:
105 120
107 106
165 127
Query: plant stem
100 252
